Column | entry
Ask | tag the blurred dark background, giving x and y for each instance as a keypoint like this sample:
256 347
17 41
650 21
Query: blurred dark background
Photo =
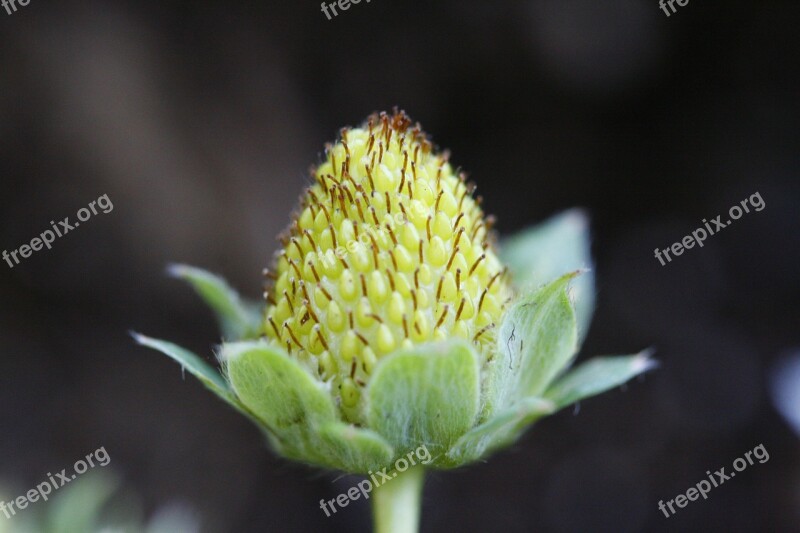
200 120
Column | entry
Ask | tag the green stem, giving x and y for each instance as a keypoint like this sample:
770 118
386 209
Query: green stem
396 504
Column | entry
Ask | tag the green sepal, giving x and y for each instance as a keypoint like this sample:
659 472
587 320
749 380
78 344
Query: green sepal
497 432
354 450
238 319
426 395
560 244
537 338
596 376
201 370
283 394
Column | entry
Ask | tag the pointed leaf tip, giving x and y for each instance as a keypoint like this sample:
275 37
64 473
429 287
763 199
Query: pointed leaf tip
238 319
599 375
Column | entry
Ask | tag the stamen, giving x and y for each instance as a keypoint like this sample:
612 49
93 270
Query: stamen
274 327
460 308
291 334
307 233
333 235
441 318
325 292
455 225
305 291
458 236
369 172
483 295
482 331
391 234
288 301
321 337
475 265
363 340
296 268
438 198
358 206
374 251
452 256
297 245
327 215
329 150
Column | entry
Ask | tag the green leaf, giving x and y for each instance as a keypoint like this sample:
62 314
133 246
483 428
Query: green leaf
427 395
355 450
239 320
598 375
498 431
535 341
541 253
292 404
207 375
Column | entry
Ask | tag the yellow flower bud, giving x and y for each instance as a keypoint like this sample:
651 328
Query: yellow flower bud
390 246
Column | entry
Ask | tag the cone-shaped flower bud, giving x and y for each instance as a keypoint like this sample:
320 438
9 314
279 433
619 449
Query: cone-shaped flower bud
388 249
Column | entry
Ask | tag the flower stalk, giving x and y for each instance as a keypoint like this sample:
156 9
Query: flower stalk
396 505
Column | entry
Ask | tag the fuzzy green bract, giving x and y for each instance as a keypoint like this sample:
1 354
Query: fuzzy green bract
438 394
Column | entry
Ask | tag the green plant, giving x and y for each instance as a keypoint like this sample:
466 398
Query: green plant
391 323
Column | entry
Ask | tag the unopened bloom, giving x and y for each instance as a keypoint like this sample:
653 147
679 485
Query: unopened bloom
390 321
388 250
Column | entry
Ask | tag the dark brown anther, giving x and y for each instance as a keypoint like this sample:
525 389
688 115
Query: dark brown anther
460 308
480 302
274 327
291 334
441 318
476 263
458 219
452 257
482 331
